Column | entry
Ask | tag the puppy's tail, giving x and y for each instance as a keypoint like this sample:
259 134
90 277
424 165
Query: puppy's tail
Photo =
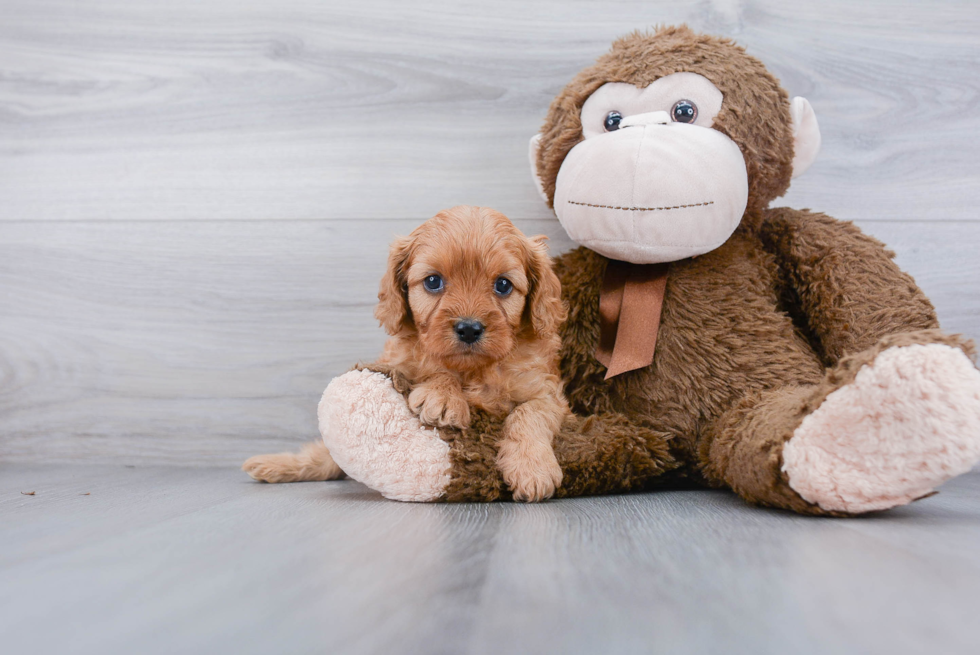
312 462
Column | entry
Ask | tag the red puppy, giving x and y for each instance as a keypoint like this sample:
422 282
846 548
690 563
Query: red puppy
473 309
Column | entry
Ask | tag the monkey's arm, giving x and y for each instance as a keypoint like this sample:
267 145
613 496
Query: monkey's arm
847 289
602 454
376 439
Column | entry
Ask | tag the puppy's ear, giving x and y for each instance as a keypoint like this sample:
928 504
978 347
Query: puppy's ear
393 310
544 307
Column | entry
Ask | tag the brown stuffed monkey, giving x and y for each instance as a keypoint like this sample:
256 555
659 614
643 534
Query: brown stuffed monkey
710 338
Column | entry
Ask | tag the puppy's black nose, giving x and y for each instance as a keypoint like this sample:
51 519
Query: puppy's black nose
468 330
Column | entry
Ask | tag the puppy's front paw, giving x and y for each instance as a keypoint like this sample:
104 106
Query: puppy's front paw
530 470
435 406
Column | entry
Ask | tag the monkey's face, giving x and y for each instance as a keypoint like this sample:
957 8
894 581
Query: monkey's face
652 182
659 163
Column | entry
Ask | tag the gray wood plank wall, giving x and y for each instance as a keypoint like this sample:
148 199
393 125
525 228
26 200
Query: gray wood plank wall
196 197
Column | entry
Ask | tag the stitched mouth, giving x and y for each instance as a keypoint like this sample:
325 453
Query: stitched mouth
642 209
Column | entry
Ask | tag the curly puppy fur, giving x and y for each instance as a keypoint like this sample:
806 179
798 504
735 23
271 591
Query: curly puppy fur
512 369
509 373
313 462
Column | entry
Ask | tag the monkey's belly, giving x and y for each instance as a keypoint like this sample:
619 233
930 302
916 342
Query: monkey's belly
722 335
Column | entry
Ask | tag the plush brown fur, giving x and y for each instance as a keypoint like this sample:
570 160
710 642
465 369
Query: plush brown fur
753 335
733 373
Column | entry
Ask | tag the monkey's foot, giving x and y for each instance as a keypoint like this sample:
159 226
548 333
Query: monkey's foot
908 422
378 441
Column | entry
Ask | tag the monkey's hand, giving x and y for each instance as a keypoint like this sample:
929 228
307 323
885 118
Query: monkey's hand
377 441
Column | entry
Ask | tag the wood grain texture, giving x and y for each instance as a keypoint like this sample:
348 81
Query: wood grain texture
171 559
205 342
182 341
301 109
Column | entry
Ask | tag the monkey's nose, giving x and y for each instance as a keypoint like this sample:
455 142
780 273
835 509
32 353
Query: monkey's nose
468 330
649 118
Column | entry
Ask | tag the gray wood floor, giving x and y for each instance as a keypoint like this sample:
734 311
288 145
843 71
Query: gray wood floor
173 559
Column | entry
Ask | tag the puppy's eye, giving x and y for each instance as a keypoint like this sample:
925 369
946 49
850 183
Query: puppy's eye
611 123
433 283
684 111
503 286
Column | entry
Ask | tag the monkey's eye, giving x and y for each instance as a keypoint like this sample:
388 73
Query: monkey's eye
503 286
684 111
612 121
432 284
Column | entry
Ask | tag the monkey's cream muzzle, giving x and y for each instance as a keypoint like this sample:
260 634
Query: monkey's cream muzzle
652 191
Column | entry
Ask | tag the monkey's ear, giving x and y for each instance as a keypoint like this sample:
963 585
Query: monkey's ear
392 310
533 156
806 135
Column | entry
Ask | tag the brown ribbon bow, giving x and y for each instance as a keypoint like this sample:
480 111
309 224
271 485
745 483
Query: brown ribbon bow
629 315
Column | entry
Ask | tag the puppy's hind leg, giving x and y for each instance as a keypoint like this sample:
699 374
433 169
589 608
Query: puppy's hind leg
312 462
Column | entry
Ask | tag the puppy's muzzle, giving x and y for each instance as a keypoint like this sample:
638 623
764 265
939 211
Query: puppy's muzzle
468 331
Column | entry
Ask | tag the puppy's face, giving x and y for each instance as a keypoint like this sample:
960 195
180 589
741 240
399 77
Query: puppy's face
470 286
